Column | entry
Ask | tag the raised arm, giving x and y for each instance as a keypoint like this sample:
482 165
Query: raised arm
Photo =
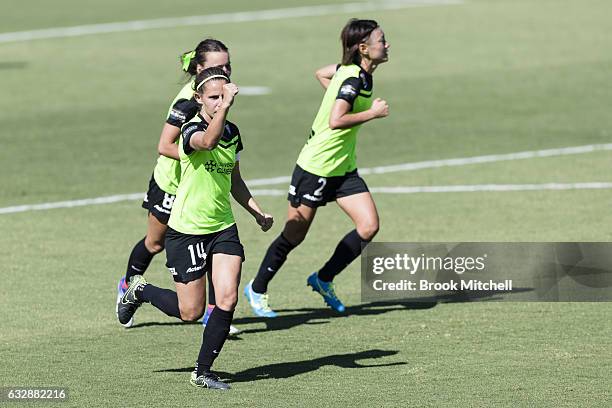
209 139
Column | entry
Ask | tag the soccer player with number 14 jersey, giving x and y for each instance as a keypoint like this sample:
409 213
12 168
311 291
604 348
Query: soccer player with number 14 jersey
202 235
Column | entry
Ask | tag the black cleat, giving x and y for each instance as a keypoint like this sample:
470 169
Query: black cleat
128 304
208 380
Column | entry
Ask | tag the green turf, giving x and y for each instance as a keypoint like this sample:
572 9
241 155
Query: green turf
81 118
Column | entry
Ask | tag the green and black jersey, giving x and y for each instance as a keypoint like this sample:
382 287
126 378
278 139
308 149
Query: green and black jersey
167 171
202 203
332 152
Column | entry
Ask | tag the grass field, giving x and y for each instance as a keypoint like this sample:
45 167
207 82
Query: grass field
81 118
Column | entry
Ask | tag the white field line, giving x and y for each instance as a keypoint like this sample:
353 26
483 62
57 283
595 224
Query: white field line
491 187
563 151
73 203
254 90
462 161
472 188
376 190
379 170
223 18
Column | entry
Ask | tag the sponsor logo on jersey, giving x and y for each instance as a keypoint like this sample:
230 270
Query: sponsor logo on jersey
348 90
177 115
189 130
210 166
221 168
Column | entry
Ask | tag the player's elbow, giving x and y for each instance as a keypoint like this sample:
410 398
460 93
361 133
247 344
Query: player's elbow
320 76
207 145
334 123
167 150
162 149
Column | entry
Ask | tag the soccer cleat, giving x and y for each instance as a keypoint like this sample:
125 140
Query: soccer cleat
233 329
208 380
325 289
129 303
121 288
258 302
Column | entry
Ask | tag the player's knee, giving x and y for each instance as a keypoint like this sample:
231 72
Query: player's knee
368 230
228 301
296 232
154 246
191 313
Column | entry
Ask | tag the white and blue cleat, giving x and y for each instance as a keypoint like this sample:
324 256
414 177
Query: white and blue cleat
325 289
258 302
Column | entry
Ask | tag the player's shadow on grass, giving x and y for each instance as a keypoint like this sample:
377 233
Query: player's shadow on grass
323 315
173 323
307 315
293 368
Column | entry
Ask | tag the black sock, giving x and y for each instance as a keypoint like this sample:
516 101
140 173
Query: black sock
214 336
139 261
211 290
163 299
346 251
272 262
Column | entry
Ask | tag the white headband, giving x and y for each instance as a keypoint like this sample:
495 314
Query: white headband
210 78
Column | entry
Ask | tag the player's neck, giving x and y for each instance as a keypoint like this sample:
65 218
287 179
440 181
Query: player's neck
206 116
368 65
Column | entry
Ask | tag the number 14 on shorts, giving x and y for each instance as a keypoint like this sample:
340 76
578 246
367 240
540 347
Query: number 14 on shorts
198 252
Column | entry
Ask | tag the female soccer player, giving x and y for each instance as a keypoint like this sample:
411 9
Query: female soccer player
164 181
202 233
326 169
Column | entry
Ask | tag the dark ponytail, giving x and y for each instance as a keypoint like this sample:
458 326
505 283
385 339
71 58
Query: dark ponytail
190 59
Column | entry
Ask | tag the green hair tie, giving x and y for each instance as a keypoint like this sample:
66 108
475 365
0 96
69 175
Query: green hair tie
187 57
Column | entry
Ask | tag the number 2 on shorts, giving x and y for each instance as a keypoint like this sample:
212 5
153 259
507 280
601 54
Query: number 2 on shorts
319 191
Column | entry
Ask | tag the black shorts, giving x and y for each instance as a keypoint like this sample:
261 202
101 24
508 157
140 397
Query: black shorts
189 257
316 191
158 202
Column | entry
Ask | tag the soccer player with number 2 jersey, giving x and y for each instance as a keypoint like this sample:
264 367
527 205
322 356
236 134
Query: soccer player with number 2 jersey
326 168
